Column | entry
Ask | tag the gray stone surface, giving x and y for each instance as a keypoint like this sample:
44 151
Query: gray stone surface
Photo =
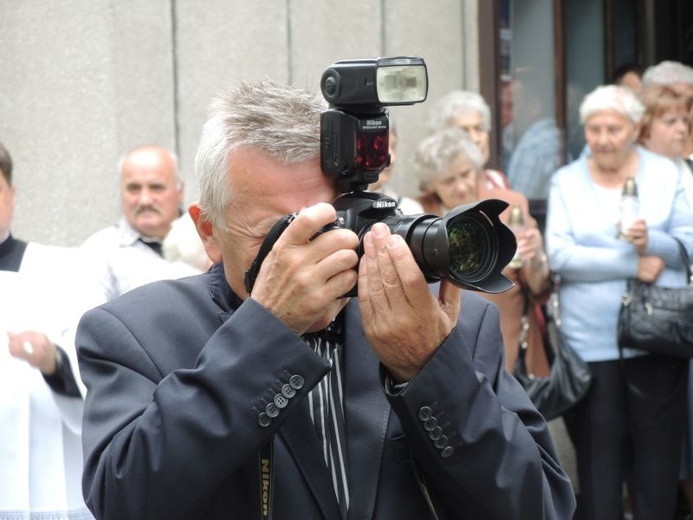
85 80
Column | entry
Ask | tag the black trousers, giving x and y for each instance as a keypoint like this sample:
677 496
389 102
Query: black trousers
629 429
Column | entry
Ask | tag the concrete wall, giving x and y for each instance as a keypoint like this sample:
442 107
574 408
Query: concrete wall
84 80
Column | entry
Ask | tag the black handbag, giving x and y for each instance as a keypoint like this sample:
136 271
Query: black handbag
658 319
569 379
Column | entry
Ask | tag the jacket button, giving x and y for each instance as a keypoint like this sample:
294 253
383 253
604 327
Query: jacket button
430 424
263 420
280 401
447 452
425 413
435 433
287 391
442 442
296 382
272 410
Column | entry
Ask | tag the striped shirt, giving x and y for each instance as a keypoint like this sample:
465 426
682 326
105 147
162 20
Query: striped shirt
326 404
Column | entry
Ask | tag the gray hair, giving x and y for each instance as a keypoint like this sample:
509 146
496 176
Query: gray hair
666 73
436 153
282 121
455 103
612 97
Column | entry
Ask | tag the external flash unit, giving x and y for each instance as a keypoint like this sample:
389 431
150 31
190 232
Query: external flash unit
355 129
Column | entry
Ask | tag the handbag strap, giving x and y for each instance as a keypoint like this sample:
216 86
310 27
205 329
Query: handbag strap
552 312
523 338
553 308
686 261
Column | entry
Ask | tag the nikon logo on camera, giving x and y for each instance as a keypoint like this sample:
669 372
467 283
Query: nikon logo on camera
378 204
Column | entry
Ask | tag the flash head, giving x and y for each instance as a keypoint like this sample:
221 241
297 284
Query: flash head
375 82
354 131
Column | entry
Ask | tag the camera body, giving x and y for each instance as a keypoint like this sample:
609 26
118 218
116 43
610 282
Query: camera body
469 246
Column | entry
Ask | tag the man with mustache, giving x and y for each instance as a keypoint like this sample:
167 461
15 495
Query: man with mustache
151 193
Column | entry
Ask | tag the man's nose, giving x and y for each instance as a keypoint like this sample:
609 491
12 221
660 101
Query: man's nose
145 197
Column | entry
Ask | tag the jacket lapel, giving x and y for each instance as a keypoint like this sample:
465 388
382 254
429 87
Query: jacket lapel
367 412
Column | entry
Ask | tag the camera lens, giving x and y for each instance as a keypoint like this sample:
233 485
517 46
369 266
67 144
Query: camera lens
466 253
471 248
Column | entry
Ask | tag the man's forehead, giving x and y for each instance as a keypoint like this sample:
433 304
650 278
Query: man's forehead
253 172
145 182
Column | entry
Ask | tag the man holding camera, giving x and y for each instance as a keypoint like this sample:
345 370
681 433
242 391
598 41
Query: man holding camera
207 401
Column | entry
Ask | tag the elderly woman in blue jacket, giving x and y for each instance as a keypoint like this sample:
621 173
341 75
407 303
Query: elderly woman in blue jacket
629 429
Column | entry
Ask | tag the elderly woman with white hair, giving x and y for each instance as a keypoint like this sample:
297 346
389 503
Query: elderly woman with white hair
450 171
470 112
679 77
629 429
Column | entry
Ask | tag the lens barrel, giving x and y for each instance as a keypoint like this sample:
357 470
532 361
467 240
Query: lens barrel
470 246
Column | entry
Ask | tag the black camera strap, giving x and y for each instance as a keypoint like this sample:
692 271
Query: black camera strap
265 248
266 468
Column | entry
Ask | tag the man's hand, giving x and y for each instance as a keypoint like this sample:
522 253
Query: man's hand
403 321
302 279
35 348
649 268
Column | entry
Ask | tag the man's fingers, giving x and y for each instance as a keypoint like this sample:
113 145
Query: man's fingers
393 275
387 247
307 223
402 276
370 281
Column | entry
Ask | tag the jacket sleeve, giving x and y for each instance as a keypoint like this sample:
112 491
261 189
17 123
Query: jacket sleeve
495 458
159 444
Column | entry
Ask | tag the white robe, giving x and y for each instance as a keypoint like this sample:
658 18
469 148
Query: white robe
40 431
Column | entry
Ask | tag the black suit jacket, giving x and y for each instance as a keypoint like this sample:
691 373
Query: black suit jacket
176 417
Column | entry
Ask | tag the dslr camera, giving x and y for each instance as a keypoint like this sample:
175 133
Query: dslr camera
469 246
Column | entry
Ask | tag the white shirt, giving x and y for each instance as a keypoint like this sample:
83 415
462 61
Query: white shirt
128 262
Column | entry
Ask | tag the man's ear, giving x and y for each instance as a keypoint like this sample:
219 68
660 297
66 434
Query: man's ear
206 231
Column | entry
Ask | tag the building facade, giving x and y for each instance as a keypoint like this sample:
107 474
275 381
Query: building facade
85 80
